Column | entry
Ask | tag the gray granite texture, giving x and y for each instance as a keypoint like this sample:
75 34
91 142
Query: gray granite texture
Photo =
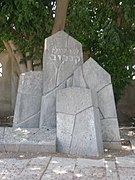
48 108
66 168
91 75
63 68
28 103
27 140
62 56
78 122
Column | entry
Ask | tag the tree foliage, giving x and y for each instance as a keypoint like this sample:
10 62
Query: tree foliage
27 23
107 31
105 28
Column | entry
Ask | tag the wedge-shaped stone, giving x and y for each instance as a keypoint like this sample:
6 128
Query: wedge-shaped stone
27 107
28 103
106 102
78 122
91 75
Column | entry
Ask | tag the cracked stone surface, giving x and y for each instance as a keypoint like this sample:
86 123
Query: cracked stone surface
76 100
27 140
48 108
28 103
91 75
62 55
78 122
106 102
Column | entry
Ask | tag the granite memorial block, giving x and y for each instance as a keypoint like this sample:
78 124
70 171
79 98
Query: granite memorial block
28 103
78 122
92 76
62 55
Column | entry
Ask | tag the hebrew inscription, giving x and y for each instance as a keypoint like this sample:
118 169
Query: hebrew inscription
62 56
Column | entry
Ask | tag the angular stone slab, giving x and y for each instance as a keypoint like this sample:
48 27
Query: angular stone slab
75 103
65 125
86 140
106 102
110 126
78 122
28 103
28 140
92 76
62 56
30 83
13 137
48 108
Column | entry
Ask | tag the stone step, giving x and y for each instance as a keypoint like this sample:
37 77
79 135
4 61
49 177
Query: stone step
27 140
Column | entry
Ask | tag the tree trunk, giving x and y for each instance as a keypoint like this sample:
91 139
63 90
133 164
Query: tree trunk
29 64
9 50
60 17
15 72
18 56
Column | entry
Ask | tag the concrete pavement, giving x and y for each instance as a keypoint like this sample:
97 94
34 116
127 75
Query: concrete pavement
112 166
66 168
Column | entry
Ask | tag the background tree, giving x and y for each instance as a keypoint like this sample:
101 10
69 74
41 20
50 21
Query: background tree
105 28
107 31
25 25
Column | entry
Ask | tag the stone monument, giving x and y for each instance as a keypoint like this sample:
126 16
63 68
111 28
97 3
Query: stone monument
73 97
62 56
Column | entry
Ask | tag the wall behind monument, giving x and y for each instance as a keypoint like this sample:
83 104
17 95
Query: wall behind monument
8 84
5 84
126 106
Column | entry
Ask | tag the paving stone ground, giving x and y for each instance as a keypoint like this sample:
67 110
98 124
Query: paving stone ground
56 167
117 165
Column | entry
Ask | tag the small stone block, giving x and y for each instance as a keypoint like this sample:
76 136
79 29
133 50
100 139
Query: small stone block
28 102
110 129
78 123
